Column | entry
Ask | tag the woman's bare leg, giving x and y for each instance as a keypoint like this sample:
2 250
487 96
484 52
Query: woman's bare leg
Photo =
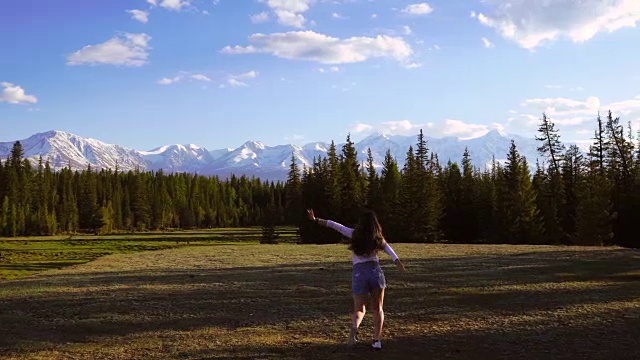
359 309
378 313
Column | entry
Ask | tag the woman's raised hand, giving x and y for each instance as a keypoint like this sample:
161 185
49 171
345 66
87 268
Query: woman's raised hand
310 214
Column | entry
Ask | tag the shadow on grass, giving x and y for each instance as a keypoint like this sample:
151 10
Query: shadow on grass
561 304
561 344
36 266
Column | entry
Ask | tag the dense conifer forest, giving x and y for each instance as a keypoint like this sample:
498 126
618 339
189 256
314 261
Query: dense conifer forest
572 198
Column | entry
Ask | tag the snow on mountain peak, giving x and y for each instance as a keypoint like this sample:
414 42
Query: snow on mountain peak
254 145
253 158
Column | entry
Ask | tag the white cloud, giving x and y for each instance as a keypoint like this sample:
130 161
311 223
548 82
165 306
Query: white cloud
418 9
200 77
260 18
448 127
407 30
338 16
572 115
413 65
236 83
333 69
169 81
125 50
533 22
461 129
360 127
139 15
626 107
488 44
553 86
567 111
236 80
184 76
175 5
14 94
374 16
289 12
248 75
312 46
400 127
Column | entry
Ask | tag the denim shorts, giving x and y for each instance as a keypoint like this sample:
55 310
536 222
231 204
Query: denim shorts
366 277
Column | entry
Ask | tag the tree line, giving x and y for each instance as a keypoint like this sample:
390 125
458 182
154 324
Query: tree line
572 198
38 201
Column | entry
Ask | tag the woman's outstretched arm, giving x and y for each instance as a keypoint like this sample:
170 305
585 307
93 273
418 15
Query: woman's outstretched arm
396 260
344 230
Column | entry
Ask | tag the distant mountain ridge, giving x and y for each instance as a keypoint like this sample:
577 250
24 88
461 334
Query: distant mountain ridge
253 158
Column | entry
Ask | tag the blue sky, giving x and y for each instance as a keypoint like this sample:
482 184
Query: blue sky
145 73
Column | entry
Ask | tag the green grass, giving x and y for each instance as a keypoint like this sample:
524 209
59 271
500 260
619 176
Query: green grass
287 301
26 256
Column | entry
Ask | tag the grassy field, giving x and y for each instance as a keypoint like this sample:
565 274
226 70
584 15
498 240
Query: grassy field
25 256
248 301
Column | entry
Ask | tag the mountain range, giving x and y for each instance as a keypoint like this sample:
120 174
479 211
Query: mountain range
253 158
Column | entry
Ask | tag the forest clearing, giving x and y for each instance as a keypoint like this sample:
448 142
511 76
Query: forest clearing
289 301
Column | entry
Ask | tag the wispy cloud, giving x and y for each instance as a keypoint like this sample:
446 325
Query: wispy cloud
126 50
488 44
312 46
418 9
14 94
184 76
547 20
139 15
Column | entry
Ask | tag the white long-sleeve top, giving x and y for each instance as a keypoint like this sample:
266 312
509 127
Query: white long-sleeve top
348 232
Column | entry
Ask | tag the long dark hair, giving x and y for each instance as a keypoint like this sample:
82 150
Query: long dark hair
367 236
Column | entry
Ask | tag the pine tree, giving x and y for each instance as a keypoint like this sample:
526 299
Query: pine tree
518 210
390 182
350 189
594 211
5 228
90 213
619 161
293 189
550 143
408 213
572 173
374 192
434 199
598 149
551 195
453 214
334 179
468 222
269 235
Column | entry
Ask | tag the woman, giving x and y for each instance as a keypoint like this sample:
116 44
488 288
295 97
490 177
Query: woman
368 278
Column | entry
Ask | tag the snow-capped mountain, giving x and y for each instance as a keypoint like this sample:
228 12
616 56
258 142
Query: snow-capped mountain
182 158
254 158
64 149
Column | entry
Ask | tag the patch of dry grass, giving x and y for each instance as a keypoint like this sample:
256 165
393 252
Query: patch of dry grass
26 256
292 302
